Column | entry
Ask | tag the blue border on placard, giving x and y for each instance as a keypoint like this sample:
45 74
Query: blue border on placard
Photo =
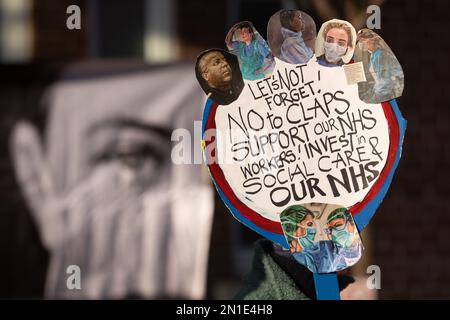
206 112
363 218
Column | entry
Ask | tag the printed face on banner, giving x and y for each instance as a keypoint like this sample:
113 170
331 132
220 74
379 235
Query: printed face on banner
323 237
335 43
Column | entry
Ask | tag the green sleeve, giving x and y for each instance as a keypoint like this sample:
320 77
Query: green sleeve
267 280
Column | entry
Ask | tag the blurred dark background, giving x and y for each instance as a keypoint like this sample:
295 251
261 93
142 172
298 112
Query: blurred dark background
407 237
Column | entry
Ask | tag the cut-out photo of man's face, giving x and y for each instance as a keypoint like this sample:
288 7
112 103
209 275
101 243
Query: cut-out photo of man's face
219 76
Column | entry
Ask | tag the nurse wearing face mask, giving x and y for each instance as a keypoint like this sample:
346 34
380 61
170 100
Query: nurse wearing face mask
300 228
344 234
338 41
298 225
300 231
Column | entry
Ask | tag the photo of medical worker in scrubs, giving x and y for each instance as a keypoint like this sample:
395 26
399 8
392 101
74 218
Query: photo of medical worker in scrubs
322 237
291 35
335 43
255 58
342 231
383 71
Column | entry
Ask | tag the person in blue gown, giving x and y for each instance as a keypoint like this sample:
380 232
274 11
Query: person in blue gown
294 49
255 58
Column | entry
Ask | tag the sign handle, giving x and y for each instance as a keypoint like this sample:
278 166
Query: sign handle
327 287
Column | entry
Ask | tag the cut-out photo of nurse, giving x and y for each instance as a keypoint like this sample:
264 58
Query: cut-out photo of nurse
255 58
383 71
335 43
322 237
291 35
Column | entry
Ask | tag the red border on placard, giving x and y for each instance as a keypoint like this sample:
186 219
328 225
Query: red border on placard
273 226
394 136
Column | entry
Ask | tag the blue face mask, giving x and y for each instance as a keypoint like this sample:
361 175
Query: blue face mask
333 52
342 237
308 239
